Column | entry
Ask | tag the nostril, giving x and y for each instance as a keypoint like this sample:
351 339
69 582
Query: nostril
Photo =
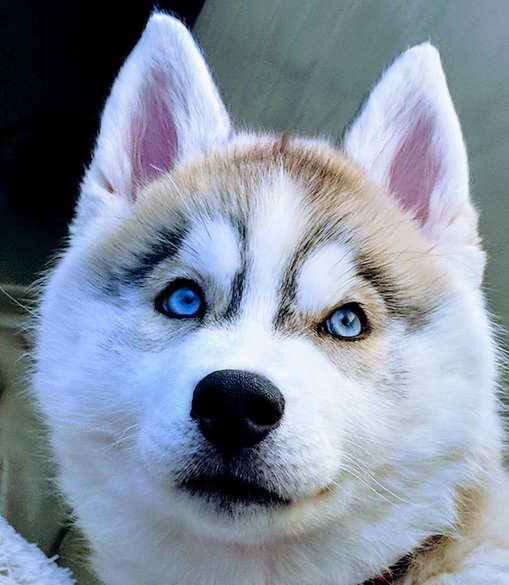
205 407
208 403
266 411
209 420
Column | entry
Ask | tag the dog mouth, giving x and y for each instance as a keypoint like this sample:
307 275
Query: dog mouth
229 491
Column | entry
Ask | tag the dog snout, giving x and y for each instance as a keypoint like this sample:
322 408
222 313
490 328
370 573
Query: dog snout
236 409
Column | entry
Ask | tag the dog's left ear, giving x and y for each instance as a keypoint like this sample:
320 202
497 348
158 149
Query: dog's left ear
408 138
163 109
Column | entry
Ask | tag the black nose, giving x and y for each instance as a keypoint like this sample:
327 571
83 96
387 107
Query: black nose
236 409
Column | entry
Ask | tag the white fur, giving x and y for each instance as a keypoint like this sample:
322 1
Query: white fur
212 247
372 474
325 275
277 213
22 563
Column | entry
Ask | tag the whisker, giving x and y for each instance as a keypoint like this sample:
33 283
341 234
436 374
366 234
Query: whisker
16 302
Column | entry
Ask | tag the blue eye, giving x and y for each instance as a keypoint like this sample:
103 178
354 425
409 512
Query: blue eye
348 321
182 299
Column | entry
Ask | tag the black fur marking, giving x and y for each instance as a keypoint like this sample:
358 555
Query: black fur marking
237 291
416 317
287 294
239 280
288 286
165 245
109 280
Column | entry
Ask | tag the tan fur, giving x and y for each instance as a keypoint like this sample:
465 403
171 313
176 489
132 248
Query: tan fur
483 514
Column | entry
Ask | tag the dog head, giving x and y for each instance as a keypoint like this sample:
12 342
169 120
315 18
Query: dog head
258 335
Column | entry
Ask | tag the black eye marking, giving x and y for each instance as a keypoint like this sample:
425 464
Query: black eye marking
165 244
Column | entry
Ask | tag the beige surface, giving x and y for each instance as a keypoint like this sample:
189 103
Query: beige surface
305 66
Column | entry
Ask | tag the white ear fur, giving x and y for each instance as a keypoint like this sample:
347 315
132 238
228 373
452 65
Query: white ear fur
408 138
163 108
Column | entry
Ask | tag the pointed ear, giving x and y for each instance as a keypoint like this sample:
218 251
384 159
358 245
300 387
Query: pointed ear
408 138
163 109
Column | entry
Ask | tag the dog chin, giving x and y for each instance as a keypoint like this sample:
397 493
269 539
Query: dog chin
225 508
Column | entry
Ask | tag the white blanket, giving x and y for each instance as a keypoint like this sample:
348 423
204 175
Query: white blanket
22 563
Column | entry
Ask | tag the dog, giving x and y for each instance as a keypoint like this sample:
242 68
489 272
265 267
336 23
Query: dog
265 360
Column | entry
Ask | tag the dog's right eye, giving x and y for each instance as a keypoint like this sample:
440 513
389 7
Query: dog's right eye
182 299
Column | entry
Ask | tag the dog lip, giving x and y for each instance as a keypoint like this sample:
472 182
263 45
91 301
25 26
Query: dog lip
230 489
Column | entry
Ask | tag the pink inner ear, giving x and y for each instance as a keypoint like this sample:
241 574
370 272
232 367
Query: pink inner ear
415 169
154 135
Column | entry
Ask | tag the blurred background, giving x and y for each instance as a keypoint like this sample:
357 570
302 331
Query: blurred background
299 66
57 63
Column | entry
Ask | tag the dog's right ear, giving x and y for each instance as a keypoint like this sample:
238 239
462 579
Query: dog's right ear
163 109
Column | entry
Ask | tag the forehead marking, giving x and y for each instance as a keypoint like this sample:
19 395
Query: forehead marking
238 282
326 274
164 244
415 310
276 228
212 247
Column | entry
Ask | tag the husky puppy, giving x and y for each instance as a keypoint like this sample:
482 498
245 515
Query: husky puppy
265 361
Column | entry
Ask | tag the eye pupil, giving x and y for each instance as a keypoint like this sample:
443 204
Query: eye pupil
348 318
187 297
346 322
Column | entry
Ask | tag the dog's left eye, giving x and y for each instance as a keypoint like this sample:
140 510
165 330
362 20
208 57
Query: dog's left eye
347 322
181 299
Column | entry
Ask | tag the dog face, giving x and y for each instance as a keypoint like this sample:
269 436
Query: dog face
252 337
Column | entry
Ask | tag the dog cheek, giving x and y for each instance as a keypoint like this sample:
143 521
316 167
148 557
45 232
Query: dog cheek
166 381
311 437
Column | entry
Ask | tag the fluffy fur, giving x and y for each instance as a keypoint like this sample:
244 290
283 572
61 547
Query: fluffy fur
22 563
389 444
